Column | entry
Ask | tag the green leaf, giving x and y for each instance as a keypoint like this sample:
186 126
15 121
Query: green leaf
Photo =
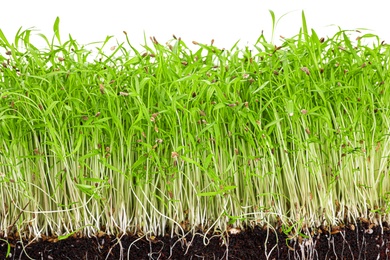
87 189
273 123
304 26
260 88
56 29
209 194
139 162
227 188
219 106
133 60
191 161
273 23
4 39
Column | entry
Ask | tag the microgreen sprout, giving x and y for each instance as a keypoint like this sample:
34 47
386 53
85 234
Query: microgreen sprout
180 139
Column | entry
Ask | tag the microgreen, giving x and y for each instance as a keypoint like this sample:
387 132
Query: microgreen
181 138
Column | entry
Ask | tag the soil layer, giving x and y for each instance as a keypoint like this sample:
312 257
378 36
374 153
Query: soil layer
360 241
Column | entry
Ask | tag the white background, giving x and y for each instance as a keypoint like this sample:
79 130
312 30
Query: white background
201 20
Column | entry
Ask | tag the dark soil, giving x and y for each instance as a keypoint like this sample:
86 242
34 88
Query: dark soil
360 241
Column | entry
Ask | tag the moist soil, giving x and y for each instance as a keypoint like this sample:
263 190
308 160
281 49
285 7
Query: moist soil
358 241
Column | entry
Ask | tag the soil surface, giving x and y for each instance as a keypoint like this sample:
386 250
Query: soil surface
359 241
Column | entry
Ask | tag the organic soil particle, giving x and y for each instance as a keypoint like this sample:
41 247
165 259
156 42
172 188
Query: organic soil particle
361 242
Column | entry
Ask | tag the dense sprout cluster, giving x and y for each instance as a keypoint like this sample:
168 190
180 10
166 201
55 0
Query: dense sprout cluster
171 139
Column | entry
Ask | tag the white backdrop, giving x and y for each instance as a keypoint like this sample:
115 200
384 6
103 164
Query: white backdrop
201 20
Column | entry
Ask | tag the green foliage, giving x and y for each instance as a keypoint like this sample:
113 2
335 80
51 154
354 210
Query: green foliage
129 140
